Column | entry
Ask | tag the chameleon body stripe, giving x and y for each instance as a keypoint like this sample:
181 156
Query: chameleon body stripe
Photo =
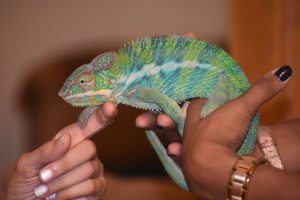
89 93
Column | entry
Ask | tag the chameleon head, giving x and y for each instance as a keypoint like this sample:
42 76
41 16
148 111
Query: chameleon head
90 84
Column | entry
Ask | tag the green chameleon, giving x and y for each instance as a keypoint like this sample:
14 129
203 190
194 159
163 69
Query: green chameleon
158 73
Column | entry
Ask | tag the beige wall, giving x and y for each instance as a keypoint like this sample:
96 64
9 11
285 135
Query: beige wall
31 31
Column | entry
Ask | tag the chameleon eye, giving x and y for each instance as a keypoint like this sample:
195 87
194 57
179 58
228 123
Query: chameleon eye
86 80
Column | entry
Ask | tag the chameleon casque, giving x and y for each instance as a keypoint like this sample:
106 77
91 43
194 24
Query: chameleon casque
158 73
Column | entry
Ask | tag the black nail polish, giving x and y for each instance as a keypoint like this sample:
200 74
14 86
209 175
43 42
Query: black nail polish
283 73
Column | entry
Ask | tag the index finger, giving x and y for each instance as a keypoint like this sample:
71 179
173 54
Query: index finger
100 119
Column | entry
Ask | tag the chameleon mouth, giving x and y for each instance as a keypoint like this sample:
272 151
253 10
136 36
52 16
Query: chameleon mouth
87 98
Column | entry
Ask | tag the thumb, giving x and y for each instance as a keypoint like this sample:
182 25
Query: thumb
264 89
45 154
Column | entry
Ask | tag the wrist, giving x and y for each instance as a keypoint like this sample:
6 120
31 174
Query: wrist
208 174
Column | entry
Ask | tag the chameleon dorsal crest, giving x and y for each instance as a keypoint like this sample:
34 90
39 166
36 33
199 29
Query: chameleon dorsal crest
104 61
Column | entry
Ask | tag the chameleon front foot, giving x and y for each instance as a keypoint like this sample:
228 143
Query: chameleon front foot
85 115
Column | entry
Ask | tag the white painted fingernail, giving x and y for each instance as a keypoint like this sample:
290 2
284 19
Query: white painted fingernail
51 197
46 175
40 190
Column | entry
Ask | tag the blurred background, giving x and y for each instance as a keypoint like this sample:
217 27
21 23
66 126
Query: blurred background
41 43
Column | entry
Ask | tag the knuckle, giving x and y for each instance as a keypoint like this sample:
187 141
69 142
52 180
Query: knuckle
244 108
62 166
235 140
268 84
91 168
57 185
98 170
46 149
90 148
103 188
21 163
101 167
66 194
94 186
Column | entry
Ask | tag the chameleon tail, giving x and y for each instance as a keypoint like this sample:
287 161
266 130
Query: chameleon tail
171 167
249 142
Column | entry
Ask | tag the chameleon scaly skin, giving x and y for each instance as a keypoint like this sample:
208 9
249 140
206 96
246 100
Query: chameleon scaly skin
157 73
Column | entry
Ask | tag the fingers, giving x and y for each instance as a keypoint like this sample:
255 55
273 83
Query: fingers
98 121
162 123
146 121
169 128
174 149
78 166
267 87
159 124
89 171
101 118
153 122
44 155
166 122
90 187
79 154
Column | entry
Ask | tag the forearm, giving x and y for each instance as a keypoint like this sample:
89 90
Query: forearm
268 183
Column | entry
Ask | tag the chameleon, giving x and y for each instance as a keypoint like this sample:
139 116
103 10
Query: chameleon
159 73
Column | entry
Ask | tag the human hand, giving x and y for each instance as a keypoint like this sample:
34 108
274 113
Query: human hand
66 167
209 144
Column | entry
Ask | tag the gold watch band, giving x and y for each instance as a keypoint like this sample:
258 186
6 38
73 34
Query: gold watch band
240 177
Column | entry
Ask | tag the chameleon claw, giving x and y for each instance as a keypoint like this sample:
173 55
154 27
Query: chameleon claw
82 124
85 115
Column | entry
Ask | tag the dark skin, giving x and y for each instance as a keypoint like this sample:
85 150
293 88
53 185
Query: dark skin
208 149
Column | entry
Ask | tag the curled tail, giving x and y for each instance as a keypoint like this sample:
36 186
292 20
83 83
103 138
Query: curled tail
170 166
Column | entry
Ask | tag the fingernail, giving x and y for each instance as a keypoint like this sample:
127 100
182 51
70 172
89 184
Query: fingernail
40 190
81 198
58 135
46 175
283 73
51 197
60 140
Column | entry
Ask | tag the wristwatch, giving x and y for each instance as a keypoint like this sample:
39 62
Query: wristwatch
240 177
